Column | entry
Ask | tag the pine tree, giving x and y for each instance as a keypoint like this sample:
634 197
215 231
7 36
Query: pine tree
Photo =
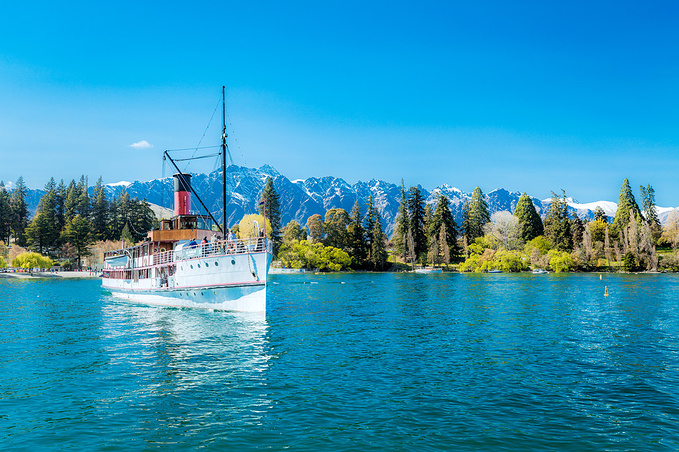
42 233
445 248
401 229
378 251
369 224
19 212
118 216
626 203
71 202
478 214
59 199
650 212
444 217
99 212
140 218
416 221
529 220
466 226
558 223
270 207
83 202
356 235
577 230
77 233
5 214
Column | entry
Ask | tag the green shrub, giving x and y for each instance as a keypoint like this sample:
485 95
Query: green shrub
31 260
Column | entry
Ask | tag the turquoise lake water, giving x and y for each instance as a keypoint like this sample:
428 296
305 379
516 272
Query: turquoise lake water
354 362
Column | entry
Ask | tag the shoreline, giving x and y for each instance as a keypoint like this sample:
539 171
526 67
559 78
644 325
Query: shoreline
48 275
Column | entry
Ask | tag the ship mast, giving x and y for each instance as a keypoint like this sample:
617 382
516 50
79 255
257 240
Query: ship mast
224 160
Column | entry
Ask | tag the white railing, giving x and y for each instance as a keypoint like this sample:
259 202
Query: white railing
220 247
241 246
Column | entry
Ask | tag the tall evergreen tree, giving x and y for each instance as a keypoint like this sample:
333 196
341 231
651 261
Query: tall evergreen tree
43 232
648 205
558 223
401 229
369 224
378 252
83 207
444 217
478 214
577 231
417 222
140 218
77 233
529 220
5 214
466 225
356 235
59 200
118 215
429 222
71 202
99 212
270 207
19 211
626 203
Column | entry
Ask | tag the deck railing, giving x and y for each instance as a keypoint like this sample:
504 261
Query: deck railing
211 248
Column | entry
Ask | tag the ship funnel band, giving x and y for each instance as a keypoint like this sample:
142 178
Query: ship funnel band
182 182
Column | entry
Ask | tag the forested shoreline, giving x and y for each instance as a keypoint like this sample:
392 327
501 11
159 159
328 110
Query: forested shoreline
70 225
427 235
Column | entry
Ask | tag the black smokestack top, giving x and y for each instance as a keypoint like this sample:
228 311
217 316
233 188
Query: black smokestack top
182 183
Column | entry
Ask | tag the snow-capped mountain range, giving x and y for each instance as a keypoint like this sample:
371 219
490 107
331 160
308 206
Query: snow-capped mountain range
303 198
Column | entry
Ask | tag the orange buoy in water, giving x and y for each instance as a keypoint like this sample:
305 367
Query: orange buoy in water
606 291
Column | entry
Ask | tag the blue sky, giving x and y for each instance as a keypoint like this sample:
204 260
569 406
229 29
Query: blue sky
529 96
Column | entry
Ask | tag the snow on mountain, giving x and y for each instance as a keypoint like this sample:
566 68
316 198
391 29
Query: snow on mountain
122 183
586 210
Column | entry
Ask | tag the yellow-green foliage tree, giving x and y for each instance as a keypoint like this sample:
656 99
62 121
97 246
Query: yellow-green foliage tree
31 260
313 255
3 263
486 254
250 225
560 261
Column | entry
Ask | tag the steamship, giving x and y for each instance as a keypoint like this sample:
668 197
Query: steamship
187 263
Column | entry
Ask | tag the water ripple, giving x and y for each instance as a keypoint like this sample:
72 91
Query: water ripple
350 362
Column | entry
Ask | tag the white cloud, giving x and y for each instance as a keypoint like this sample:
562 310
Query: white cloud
143 144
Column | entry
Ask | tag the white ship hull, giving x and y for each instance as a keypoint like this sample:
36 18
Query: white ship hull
223 281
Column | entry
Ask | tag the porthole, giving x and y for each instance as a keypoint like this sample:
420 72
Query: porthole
206 264
191 266
216 264
233 261
198 265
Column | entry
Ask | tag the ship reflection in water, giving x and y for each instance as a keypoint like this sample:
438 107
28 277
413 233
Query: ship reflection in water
172 361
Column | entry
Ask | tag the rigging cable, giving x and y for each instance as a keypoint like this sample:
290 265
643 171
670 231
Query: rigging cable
206 129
